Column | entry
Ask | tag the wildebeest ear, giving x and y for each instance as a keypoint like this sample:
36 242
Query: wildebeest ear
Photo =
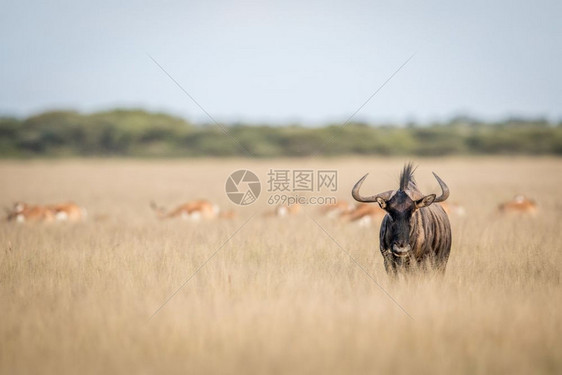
381 202
425 201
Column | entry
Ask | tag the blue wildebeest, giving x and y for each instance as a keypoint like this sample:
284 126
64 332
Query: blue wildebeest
414 231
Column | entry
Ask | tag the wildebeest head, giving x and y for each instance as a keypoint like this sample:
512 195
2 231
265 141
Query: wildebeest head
400 206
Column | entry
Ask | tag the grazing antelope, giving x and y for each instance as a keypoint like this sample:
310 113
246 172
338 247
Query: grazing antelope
363 214
228 215
414 229
284 210
194 210
519 205
288 210
23 212
453 209
336 209
68 212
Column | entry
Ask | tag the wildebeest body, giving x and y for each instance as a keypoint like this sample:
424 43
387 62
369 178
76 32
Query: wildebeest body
429 238
414 232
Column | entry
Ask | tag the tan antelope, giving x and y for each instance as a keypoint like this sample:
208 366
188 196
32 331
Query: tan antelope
68 212
453 209
284 210
363 214
23 212
519 205
288 210
228 215
193 211
337 209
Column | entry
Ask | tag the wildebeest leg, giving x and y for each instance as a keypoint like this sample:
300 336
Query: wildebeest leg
440 269
436 266
390 267
389 264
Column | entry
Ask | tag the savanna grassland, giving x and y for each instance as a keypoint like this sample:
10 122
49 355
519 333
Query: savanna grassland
282 295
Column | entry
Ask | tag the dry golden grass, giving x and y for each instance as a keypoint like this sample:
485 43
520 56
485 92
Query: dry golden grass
280 296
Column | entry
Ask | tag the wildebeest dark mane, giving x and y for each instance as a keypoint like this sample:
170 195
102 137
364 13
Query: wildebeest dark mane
407 176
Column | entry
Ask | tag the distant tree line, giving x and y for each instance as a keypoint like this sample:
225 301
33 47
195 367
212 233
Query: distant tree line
139 133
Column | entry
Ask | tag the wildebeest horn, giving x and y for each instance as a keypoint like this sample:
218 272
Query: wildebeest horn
359 198
444 189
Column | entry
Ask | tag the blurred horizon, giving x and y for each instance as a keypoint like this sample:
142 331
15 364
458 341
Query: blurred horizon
280 63
460 117
138 133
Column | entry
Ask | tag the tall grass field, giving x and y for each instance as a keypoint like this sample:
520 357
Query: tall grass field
127 292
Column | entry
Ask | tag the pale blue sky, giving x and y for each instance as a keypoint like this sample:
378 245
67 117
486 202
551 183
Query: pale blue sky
278 61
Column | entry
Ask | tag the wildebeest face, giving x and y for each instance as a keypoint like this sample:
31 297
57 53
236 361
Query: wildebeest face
400 208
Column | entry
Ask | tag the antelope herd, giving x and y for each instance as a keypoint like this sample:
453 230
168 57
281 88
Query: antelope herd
362 214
